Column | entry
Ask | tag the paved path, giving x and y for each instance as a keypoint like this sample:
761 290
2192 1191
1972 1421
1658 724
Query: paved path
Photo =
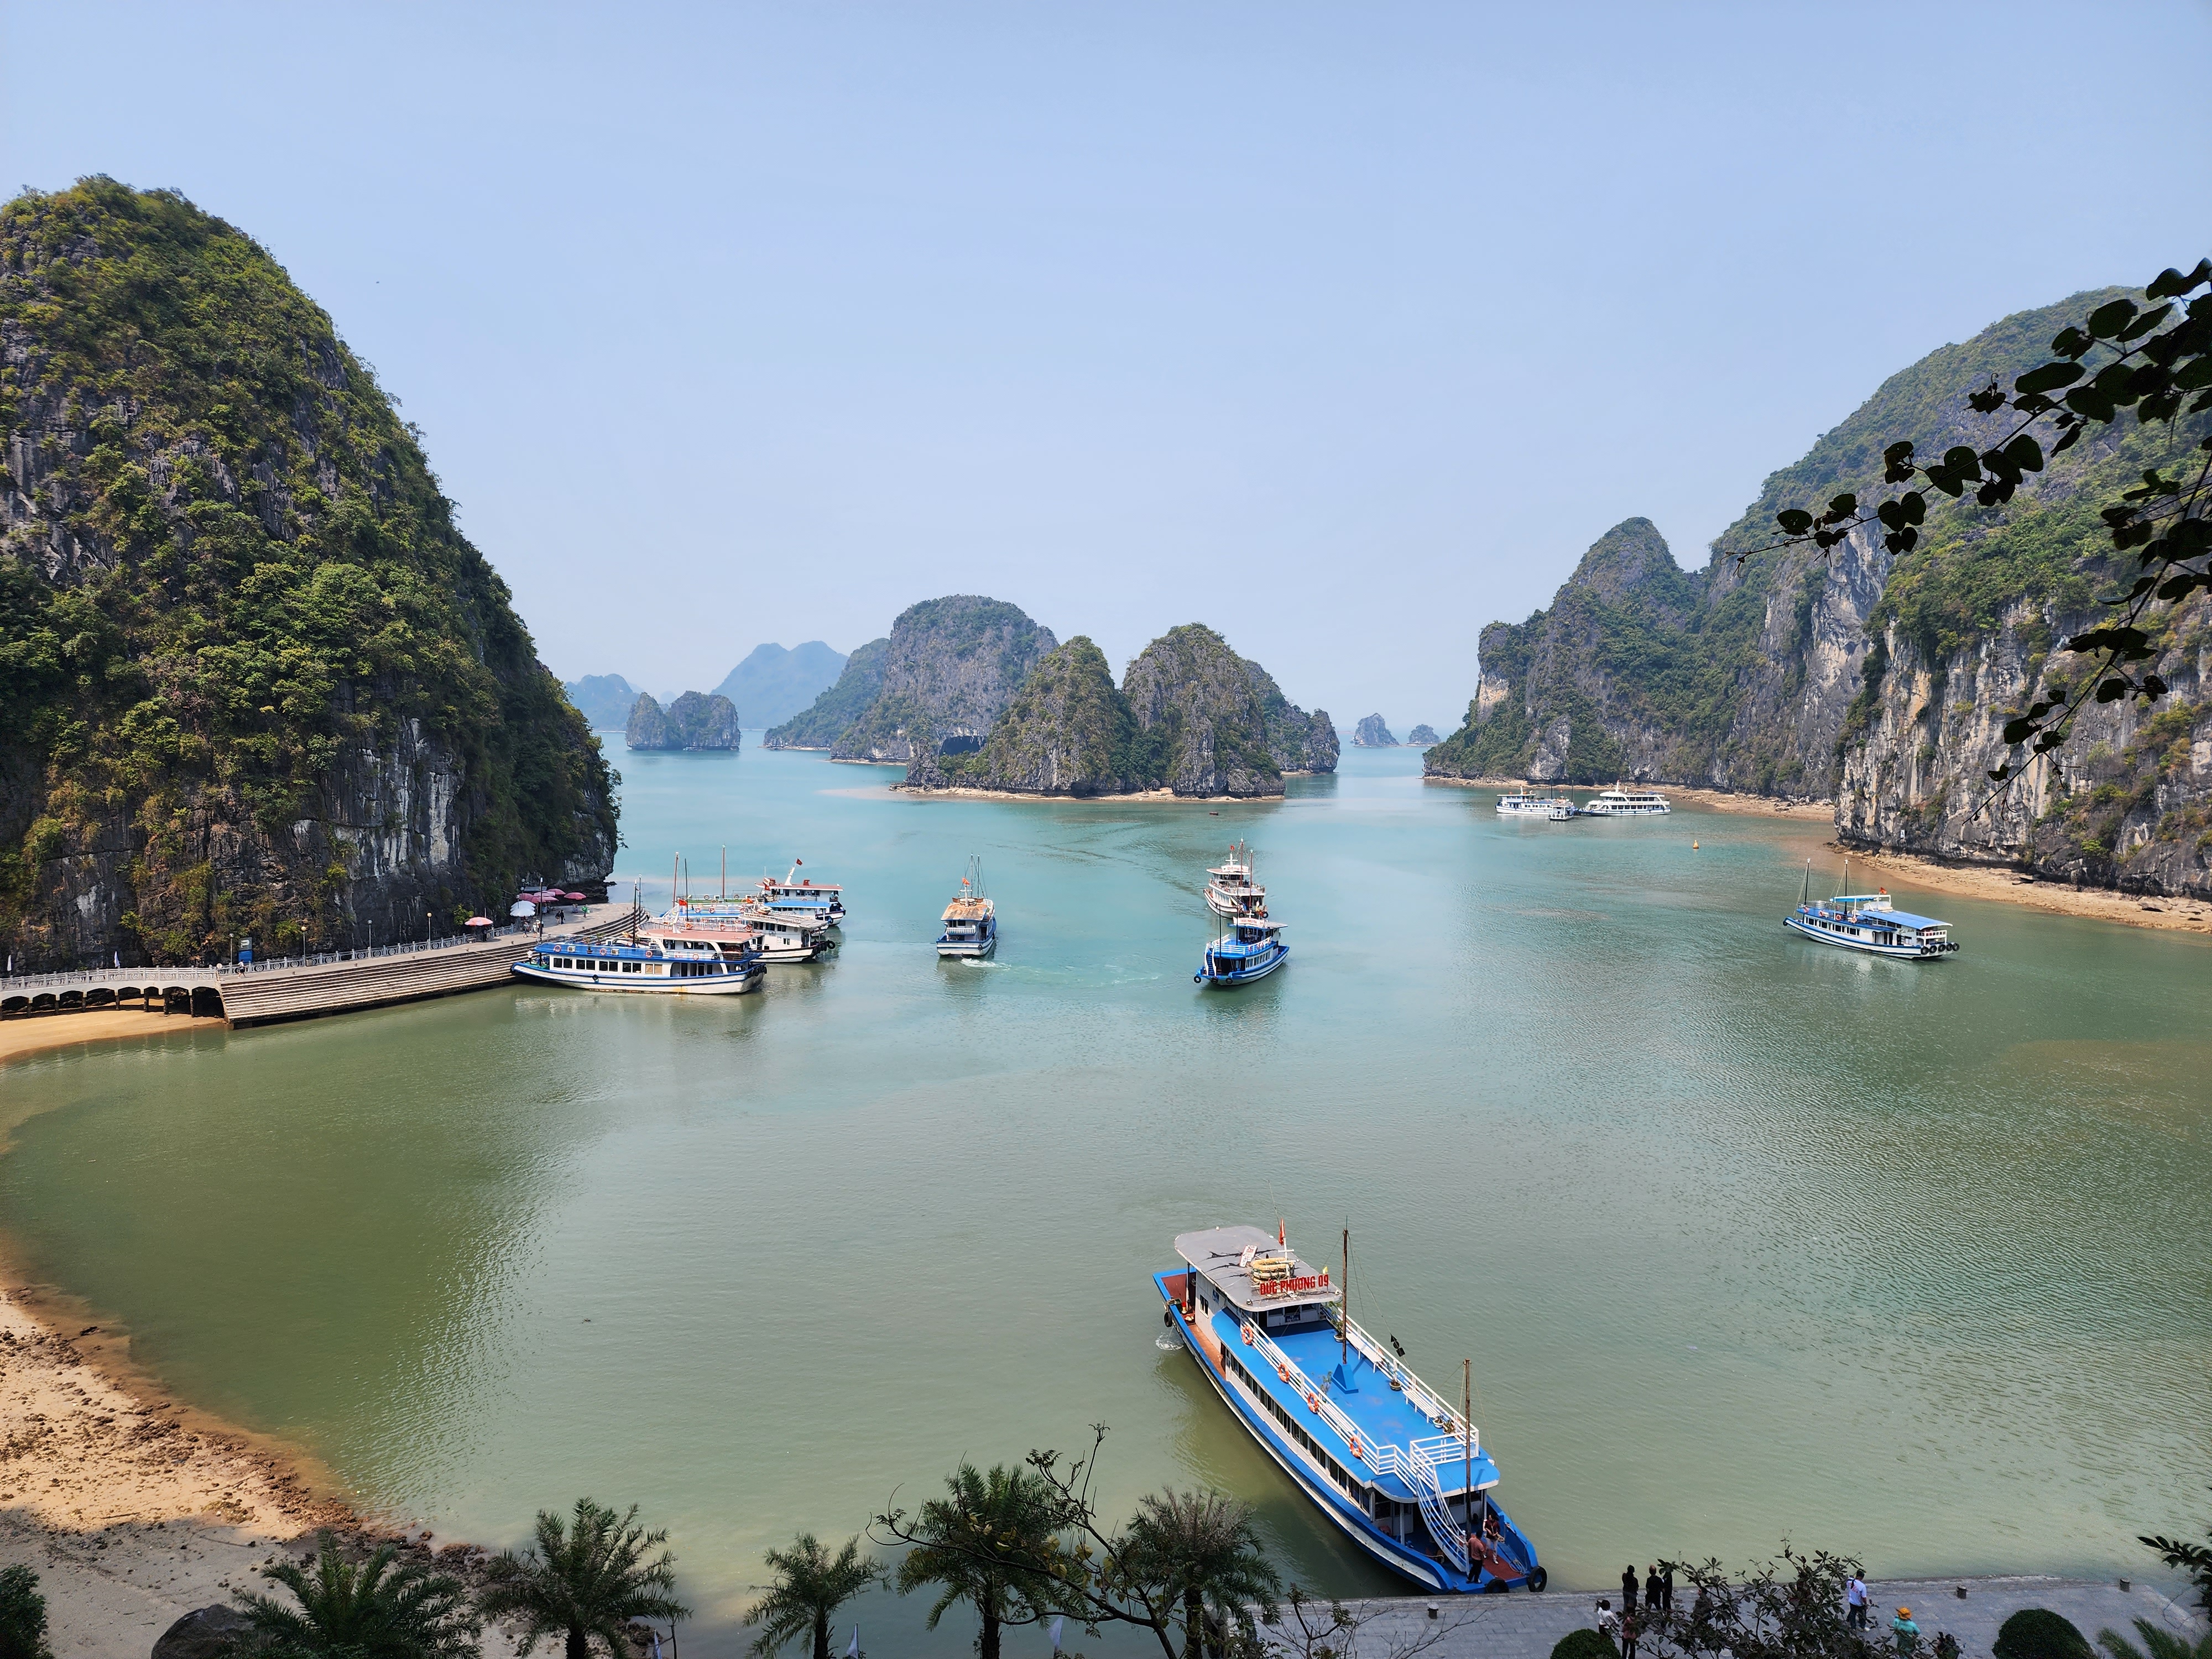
1523 1626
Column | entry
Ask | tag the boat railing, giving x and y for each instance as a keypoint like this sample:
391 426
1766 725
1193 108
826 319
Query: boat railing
1415 1464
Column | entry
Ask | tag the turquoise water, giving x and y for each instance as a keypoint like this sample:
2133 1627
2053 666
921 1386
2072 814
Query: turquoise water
1746 1237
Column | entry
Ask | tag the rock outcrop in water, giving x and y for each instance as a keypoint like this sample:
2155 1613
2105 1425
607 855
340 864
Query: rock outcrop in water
692 721
833 712
1191 716
253 679
1068 732
1421 737
1372 733
950 669
1882 681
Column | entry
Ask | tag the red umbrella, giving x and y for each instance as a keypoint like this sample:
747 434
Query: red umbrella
579 897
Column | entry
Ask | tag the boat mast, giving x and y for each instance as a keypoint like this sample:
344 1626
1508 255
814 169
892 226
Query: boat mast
1805 893
726 873
1344 1310
1467 1441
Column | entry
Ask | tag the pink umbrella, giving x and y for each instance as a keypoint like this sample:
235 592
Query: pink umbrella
478 921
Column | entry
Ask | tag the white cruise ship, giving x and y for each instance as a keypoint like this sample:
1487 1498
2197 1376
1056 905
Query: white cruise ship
1618 802
1535 806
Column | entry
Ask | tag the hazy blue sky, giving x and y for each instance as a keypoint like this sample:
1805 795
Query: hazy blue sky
728 323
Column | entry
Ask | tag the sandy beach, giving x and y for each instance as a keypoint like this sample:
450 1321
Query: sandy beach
132 1510
33 1035
2016 887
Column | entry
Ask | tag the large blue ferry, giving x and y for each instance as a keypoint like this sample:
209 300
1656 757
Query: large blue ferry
1252 948
1869 922
1399 1469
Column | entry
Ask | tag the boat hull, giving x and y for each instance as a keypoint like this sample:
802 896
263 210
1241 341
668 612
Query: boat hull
1870 947
710 985
1212 978
1401 1558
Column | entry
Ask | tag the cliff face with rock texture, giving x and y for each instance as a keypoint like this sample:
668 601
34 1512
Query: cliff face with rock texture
1068 732
1372 733
1421 736
253 677
833 713
1217 723
949 671
1883 681
692 721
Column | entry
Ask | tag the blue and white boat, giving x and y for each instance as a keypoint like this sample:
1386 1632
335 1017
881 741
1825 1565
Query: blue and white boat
1398 1469
703 972
1252 948
829 896
1869 922
971 920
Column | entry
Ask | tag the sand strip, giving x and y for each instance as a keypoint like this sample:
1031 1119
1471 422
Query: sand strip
35 1033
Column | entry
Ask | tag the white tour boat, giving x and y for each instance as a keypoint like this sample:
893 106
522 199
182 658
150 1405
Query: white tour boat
971 920
1229 889
678 971
1550 807
1868 922
1618 802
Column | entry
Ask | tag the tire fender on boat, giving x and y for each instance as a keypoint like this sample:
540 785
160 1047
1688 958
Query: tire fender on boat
1538 1579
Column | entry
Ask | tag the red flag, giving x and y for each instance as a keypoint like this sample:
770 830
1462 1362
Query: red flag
1281 1237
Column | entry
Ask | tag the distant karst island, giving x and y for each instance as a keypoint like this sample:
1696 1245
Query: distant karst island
1421 737
971 694
694 720
1372 733
768 687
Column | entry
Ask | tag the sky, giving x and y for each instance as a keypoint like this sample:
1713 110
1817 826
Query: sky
1342 328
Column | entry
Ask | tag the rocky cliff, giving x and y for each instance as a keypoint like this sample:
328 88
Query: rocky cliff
833 713
1422 735
253 677
1372 733
1216 724
950 669
1069 731
1881 681
692 721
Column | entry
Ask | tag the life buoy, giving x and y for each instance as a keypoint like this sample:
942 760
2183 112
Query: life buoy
1313 1402
1357 1450
1247 1336
1282 1372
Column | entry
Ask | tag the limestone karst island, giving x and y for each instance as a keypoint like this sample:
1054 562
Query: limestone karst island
1338 835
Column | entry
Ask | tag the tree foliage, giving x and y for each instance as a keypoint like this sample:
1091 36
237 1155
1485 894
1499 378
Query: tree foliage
367 1609
978 1544
811 1585
582 1581
23 1615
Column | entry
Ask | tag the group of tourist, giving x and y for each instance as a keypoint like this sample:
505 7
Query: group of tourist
1627 1626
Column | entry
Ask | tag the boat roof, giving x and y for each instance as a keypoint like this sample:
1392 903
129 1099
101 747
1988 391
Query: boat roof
1219 1254
967 909
1257 924
1902 918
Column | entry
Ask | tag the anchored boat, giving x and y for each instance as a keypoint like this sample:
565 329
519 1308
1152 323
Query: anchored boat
971 921
1252 948
1618 802
780 937
1229 889
1553 807
1397 1467
1868 922
798 892
679 971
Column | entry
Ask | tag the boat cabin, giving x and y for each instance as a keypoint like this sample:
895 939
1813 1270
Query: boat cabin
1872 919
648 960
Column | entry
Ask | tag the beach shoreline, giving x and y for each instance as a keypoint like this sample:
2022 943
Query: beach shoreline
38 1034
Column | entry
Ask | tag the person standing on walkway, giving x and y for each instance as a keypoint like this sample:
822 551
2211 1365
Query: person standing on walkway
1628 1624
1854 1601
1652 1591
1906 1632
1628 1590
1666 1590
1608 1625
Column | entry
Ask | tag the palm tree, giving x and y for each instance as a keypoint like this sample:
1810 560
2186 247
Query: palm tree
810 1586
1202 1545
360 1610
584 1580
2159 1644
973 1544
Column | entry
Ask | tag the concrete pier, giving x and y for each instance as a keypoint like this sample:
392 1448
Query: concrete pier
267 992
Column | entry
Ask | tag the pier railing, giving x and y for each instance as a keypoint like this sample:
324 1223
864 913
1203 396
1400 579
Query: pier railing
1414 1464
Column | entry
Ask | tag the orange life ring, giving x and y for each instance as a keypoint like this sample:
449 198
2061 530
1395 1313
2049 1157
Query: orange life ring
1313 1402
1283 1372
1356 1450
1247 1336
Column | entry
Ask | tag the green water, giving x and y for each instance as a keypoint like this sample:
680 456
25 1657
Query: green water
1746 1237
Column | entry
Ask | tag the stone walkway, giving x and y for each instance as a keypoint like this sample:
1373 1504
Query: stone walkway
1523 1627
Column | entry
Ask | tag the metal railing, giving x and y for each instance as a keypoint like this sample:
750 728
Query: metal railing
178 974
1414 1464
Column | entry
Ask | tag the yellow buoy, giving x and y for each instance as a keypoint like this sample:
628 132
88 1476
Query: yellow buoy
1693 847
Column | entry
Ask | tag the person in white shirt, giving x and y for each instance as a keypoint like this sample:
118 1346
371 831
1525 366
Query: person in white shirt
1608 1622
1855 1602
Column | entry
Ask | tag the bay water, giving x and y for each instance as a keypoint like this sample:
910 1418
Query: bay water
1748 1237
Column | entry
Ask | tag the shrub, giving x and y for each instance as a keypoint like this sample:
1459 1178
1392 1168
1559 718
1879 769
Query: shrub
1585 1644
2039 1634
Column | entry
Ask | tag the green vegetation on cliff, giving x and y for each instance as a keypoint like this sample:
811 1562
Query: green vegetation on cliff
1069 731
833 712
227 576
